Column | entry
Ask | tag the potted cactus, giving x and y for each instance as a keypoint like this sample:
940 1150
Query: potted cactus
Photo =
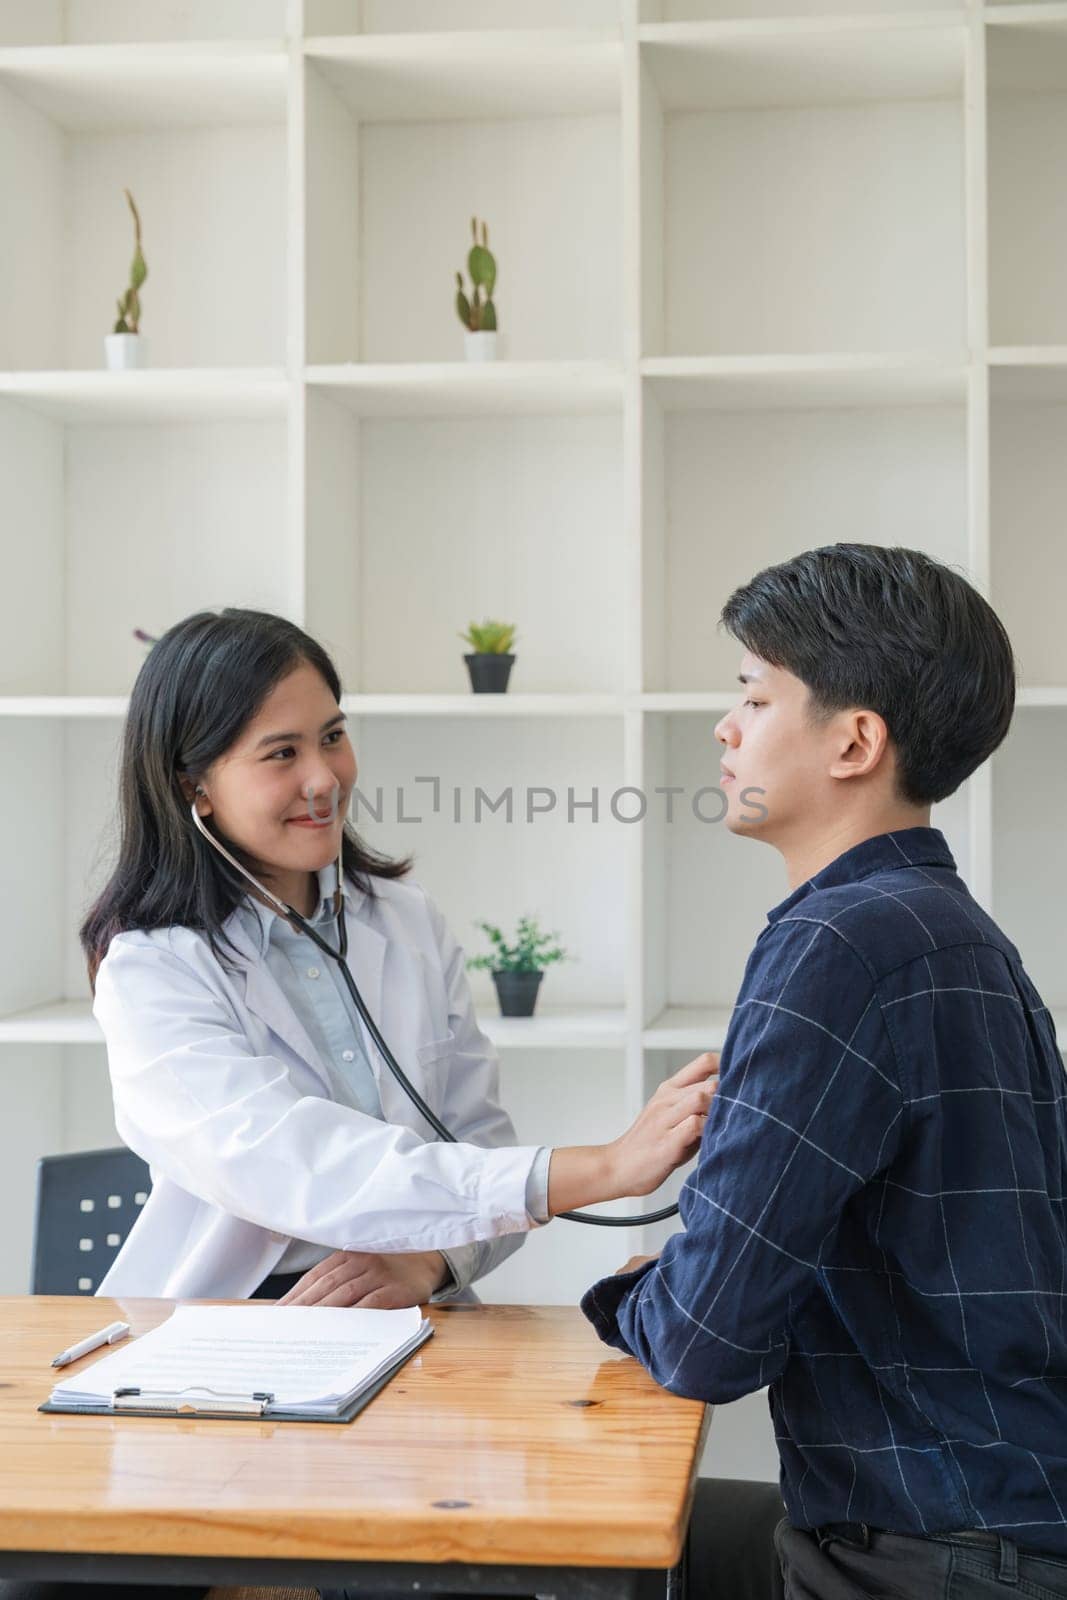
124 345
518 968
477 311
490 660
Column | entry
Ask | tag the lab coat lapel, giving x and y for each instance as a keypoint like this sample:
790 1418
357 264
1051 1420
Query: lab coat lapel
366 961
265 1000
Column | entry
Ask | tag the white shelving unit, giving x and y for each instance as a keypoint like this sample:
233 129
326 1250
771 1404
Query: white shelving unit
772 274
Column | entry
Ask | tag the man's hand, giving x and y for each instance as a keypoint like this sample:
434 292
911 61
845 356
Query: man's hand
375 1282
633 1264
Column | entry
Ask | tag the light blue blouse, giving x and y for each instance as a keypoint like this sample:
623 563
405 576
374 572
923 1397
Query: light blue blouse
313 985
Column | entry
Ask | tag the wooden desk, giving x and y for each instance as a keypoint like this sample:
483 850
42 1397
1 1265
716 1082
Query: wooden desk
515 1454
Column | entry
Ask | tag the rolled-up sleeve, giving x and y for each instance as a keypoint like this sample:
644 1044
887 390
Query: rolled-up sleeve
808 1111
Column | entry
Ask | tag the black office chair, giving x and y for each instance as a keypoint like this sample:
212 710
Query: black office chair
86 1205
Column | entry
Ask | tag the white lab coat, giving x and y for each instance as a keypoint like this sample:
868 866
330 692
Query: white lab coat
218 1087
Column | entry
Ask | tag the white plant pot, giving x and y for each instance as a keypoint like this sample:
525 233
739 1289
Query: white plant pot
125 351
480 346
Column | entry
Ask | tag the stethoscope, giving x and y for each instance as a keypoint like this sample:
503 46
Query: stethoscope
339 956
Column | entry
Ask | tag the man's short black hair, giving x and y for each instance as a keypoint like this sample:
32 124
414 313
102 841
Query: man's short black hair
892 631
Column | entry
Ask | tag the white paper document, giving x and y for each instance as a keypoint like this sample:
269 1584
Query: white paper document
313 1360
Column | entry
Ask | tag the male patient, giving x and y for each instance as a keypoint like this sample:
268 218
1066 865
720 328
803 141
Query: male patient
875 1226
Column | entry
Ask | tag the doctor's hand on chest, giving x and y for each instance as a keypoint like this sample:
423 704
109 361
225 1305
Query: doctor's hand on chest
375 1282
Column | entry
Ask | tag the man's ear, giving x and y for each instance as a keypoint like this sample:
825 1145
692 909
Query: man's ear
863 744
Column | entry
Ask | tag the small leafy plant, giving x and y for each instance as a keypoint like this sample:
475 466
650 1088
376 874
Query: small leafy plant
490 638
531 952
476 311
129 305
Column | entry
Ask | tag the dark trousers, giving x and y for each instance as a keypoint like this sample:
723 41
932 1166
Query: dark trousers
731 1541
868 1565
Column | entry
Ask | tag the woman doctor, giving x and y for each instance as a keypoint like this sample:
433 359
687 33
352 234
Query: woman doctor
284 1163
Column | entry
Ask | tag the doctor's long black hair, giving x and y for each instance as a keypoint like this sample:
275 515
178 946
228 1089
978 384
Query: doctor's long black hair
200 685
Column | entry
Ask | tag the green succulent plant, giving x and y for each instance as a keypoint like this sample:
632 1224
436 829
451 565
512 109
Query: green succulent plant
490 638
129 305
531 952
476 311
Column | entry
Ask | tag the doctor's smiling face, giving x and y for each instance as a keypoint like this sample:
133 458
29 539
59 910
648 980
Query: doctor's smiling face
257 793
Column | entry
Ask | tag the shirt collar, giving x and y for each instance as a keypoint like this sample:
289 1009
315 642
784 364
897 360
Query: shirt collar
262 920
905 847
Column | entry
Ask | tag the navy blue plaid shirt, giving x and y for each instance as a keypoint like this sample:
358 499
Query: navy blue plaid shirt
875 1225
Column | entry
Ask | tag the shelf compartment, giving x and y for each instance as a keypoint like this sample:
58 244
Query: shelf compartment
215 294
375 167
742 253
1027 132
106 538
554 482
62 813
570 874
726 492
1028 481
707 892
1030 850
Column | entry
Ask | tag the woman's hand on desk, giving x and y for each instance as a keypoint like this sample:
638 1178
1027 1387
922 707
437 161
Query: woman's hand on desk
665 1134
376 1282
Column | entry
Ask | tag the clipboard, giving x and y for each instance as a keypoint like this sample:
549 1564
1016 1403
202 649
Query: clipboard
256 1407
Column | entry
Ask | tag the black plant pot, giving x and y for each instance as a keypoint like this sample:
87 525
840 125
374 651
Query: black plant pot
517 992
489 673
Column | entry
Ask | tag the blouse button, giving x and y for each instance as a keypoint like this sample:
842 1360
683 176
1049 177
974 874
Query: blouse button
313 972
348 1055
